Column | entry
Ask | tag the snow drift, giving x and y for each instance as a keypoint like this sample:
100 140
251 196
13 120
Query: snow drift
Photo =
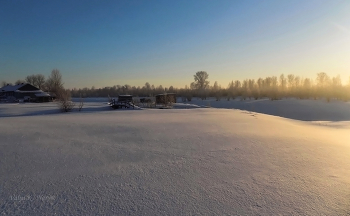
172 162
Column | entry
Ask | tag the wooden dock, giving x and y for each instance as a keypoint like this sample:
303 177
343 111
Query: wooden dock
124 101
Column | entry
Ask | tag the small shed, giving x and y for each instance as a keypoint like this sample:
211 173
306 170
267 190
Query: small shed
124 101
166 98
43 97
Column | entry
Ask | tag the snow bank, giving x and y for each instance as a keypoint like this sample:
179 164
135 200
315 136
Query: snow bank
33 109
185 106
172 162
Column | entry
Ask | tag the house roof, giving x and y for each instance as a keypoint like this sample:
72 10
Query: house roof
11 88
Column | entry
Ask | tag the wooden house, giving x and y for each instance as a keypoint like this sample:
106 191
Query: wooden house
24 91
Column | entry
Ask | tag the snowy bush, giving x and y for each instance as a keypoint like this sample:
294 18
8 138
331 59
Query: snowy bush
64 101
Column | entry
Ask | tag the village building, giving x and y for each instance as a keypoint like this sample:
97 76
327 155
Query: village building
167 98
24 91
124 101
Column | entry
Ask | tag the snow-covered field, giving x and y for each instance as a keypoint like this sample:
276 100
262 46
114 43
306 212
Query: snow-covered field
305 110
176 161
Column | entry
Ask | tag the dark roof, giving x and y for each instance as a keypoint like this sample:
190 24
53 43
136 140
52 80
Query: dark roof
12 87
28 87
19 87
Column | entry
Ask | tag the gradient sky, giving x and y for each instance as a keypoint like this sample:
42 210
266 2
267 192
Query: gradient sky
104 43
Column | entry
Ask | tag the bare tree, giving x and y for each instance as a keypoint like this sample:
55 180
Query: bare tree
216 89
37 80
160 89
19 82
245 89
322 79
201 83
4 83
306 88
171 89
201 80
323 84
54 82
283 82
40 81
230 89
30 79
290 78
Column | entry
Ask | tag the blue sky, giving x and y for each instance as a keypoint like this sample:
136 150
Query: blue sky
104 43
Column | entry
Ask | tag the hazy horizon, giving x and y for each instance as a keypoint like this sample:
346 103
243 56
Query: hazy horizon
165 43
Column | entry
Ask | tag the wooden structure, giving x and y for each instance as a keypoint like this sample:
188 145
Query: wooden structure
124 101
43 97
166 99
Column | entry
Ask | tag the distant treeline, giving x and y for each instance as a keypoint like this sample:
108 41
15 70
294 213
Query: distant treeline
270 87
323 86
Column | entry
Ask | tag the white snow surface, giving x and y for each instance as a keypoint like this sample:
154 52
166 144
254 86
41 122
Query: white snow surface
305 110
171 162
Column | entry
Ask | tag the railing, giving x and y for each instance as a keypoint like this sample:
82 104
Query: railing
121 104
